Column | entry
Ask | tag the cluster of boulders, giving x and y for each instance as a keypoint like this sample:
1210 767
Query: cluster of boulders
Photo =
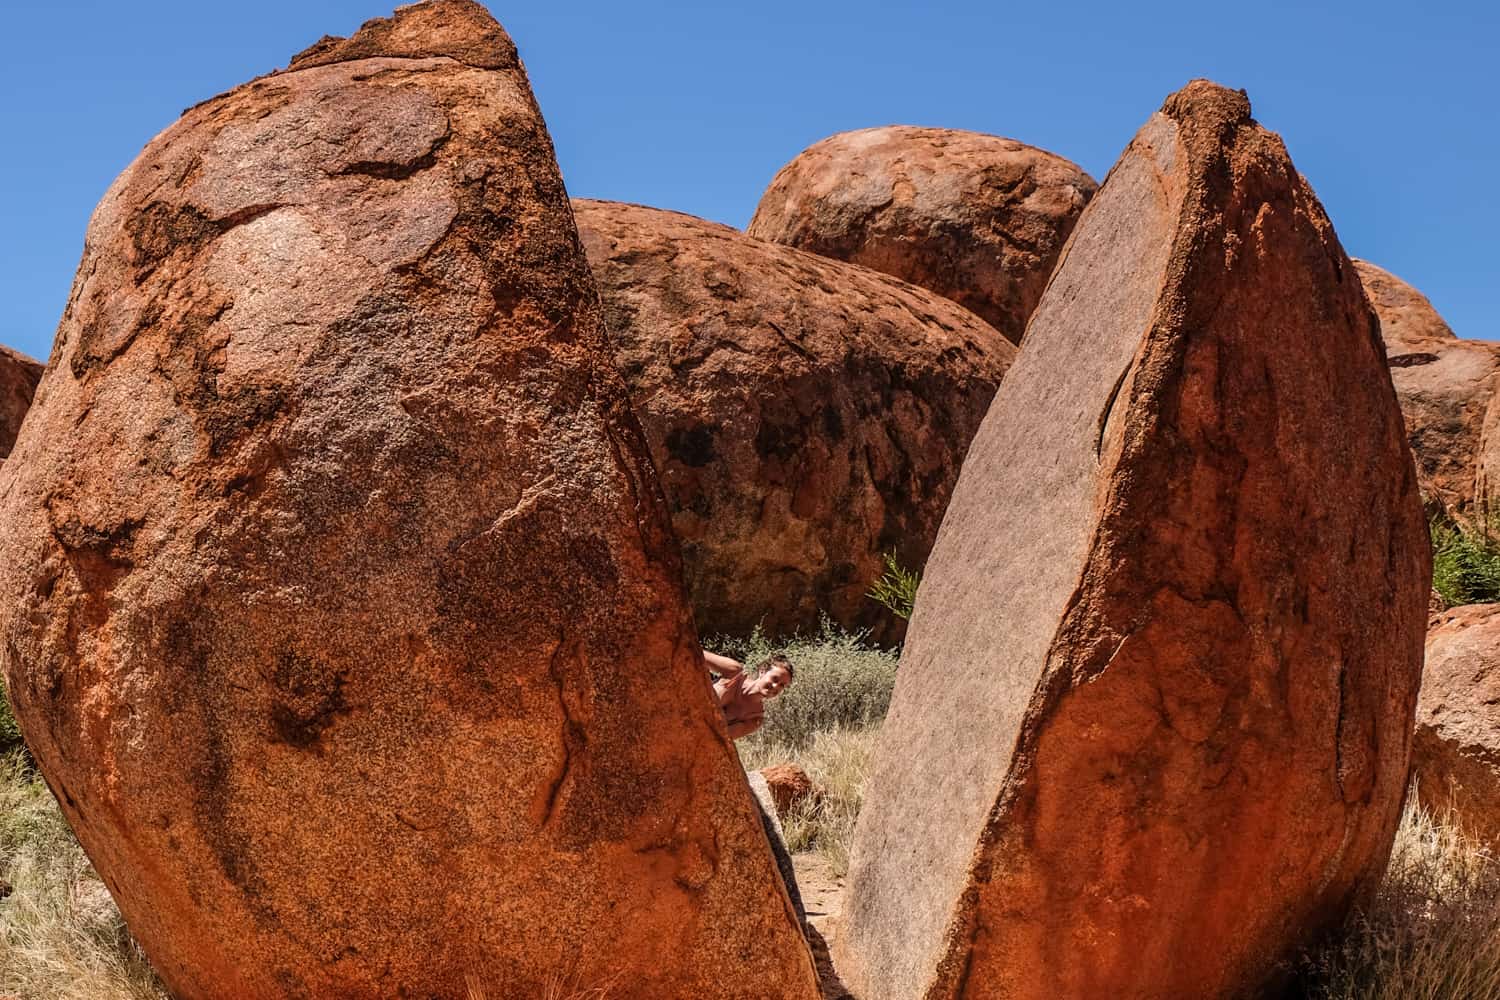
355 549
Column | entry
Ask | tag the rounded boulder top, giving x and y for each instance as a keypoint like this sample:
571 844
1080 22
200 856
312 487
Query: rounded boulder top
979 219
1407 318
1446 386
458 29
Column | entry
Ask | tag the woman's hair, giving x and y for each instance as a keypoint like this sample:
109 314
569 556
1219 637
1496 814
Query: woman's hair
778 661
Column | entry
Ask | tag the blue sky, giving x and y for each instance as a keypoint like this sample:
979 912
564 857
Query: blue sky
1388 108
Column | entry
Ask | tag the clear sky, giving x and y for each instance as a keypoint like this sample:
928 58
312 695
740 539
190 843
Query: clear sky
1389 108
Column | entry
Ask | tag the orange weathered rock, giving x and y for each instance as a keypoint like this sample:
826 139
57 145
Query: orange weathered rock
338 597
1444 384
18 378
805 416
1456 755
789 786
1151 728
977 218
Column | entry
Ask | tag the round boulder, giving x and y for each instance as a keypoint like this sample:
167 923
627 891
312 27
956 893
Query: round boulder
1444 385
1408 320
805 416
977 218
1456 753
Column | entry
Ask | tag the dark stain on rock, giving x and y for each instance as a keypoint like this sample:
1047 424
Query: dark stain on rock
779 441
692 446
310 698
1412 360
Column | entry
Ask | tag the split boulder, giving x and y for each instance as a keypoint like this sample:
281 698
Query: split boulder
806 416
1151 728
338 598
977 218
18 378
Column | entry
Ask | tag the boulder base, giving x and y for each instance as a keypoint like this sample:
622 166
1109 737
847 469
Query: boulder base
1151 728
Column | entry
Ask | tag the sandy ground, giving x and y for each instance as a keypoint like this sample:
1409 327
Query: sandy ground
822 896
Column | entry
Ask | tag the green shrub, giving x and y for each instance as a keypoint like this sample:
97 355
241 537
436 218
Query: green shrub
10 733
896 589
1465 564
842 682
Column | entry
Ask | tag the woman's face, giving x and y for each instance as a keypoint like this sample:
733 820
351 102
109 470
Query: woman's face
772 681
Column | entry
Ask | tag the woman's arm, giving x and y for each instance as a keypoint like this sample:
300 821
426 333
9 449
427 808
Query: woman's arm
745 727
723 665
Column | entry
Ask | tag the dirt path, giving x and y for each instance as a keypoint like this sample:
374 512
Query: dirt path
822 895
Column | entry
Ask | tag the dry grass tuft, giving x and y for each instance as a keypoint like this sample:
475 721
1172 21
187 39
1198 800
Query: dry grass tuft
837 761
1432 930
61 937
558 988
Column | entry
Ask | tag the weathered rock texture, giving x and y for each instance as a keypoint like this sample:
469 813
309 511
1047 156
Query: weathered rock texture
1487 464
1153 716
1456 754
805 415
1444 384
18 378
976 218
338 598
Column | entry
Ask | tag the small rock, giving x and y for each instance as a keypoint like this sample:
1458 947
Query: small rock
789 785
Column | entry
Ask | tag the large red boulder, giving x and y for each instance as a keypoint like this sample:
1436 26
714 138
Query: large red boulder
806 416
338 597
1445 386
18 378
977 218
1456 756
1151 728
